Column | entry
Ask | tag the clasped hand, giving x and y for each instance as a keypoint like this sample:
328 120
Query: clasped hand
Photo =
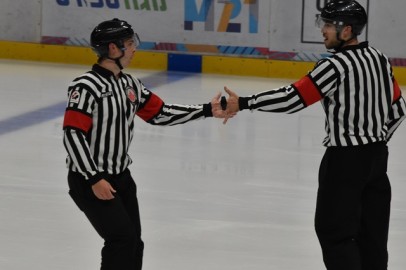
231 106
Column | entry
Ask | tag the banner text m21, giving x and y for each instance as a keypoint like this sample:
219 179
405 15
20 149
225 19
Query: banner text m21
230 10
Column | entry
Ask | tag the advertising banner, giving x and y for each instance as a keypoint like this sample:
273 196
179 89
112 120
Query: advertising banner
272 29
212 26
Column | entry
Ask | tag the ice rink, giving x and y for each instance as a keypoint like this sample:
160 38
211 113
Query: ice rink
239 196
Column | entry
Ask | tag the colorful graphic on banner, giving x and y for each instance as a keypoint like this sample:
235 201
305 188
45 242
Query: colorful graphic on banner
230 26
116 4
231 10
248 28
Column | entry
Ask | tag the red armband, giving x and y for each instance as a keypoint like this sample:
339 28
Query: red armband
77 120
396 91
307 90
151 108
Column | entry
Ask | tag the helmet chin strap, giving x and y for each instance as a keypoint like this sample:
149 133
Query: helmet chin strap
117 60
118 63
342 42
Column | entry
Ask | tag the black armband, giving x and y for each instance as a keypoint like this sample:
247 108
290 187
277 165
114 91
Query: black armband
97 177
243 103
207 110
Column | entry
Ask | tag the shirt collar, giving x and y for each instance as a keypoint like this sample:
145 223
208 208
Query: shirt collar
103 71
360 45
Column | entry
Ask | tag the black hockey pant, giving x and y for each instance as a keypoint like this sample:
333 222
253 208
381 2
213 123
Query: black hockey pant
117 221
353 207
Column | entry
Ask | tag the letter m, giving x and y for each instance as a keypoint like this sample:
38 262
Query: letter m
203 14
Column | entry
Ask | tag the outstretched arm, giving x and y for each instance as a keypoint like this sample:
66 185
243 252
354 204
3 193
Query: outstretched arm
286 99
154 111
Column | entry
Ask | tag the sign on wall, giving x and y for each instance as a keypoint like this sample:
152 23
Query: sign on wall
245 14
266 28
213 25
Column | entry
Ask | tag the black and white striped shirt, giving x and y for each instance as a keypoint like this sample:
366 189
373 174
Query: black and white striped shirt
98 123
359 94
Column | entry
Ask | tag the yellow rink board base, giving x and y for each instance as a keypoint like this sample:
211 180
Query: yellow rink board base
228 65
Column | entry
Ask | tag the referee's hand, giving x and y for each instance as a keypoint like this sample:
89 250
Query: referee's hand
103 190
219 106
232 103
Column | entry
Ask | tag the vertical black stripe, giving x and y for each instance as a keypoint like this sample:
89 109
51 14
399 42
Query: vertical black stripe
367 96
105 147
108 105
358 106
336 122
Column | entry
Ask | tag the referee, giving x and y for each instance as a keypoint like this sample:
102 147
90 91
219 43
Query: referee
98 129
363 107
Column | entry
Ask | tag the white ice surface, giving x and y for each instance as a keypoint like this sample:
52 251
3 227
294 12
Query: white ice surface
212 196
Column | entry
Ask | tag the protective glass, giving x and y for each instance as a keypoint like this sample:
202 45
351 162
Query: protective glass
133 42
136 40
322 22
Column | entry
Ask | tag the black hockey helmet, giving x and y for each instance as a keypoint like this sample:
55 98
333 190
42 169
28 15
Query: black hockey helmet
345 12
112 31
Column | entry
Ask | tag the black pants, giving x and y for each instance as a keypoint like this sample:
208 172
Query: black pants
353 207
117 221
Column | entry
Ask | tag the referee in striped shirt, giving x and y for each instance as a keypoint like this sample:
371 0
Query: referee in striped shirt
363 107
98 129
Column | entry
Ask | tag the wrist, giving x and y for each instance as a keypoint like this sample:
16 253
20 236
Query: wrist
243 103
97 177
207 110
